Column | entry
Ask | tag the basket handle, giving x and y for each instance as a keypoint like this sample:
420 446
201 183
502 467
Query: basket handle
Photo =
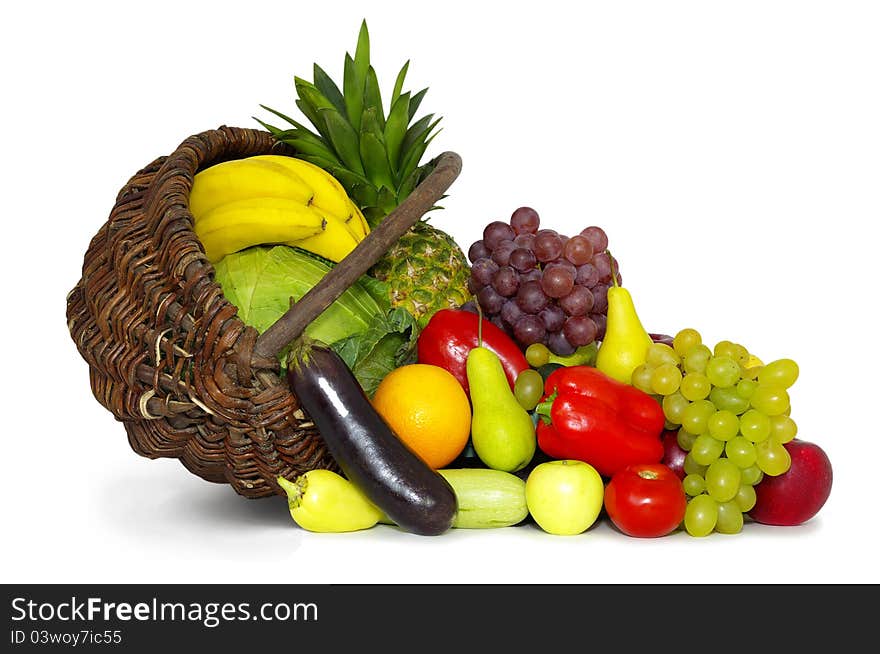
289 326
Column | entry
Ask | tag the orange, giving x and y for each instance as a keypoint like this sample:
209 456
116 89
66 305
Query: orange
428 409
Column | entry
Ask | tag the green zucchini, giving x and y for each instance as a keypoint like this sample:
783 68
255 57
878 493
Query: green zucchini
486 498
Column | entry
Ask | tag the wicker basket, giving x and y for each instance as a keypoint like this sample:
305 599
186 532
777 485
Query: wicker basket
166 352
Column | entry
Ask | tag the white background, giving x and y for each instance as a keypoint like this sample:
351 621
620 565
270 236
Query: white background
730 150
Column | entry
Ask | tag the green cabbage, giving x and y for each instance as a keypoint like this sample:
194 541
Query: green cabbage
372 337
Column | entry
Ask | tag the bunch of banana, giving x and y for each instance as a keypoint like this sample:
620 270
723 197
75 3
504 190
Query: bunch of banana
272 199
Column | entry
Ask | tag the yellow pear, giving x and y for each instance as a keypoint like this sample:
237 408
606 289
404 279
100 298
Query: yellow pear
626 341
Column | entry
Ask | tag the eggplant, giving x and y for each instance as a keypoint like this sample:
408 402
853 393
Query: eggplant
366 448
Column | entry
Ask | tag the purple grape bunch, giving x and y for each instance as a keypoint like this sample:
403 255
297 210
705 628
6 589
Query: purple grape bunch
541 286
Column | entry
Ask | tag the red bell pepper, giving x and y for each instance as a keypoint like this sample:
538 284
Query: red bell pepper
589 416
452 333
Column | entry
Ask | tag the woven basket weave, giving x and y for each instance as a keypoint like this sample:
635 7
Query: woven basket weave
166 352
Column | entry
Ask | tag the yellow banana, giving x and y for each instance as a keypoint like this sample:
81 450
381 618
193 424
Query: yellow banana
328 194
349 221
334 242
358 214
256 221
274 199
240 179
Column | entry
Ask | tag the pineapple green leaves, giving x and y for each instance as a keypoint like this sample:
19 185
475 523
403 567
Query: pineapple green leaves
375 156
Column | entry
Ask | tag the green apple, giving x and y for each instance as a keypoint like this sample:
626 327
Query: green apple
564 496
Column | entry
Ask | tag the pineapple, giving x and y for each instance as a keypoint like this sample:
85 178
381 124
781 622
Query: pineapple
377 159
426 271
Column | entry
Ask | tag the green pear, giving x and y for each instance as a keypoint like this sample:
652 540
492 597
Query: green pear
626 342
502 431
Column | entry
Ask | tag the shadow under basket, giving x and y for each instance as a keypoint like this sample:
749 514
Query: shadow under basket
168 355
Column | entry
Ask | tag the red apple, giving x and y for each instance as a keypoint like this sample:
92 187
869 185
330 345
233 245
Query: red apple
795 496
673 455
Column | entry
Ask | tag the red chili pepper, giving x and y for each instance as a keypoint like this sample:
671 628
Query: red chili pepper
452 333
595 418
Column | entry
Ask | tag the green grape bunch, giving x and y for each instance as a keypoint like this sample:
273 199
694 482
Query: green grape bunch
732 415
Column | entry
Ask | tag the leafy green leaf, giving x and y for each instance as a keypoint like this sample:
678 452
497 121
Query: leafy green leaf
373 98
387 199
306 146
373 214
321 162
378 289
353 90
328 87
370 124
415 143
398 83
387 344
395 129
260 281
375 160
355 75
343 137
408 185
362 50
346 177
310 111
424 170
364 196
312 114
274 131
286 118
411 160
372 149
311 101
300 137
414 179
361 326
415 101
417 132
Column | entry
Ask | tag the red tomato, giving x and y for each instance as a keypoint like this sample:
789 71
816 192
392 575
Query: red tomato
645 500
